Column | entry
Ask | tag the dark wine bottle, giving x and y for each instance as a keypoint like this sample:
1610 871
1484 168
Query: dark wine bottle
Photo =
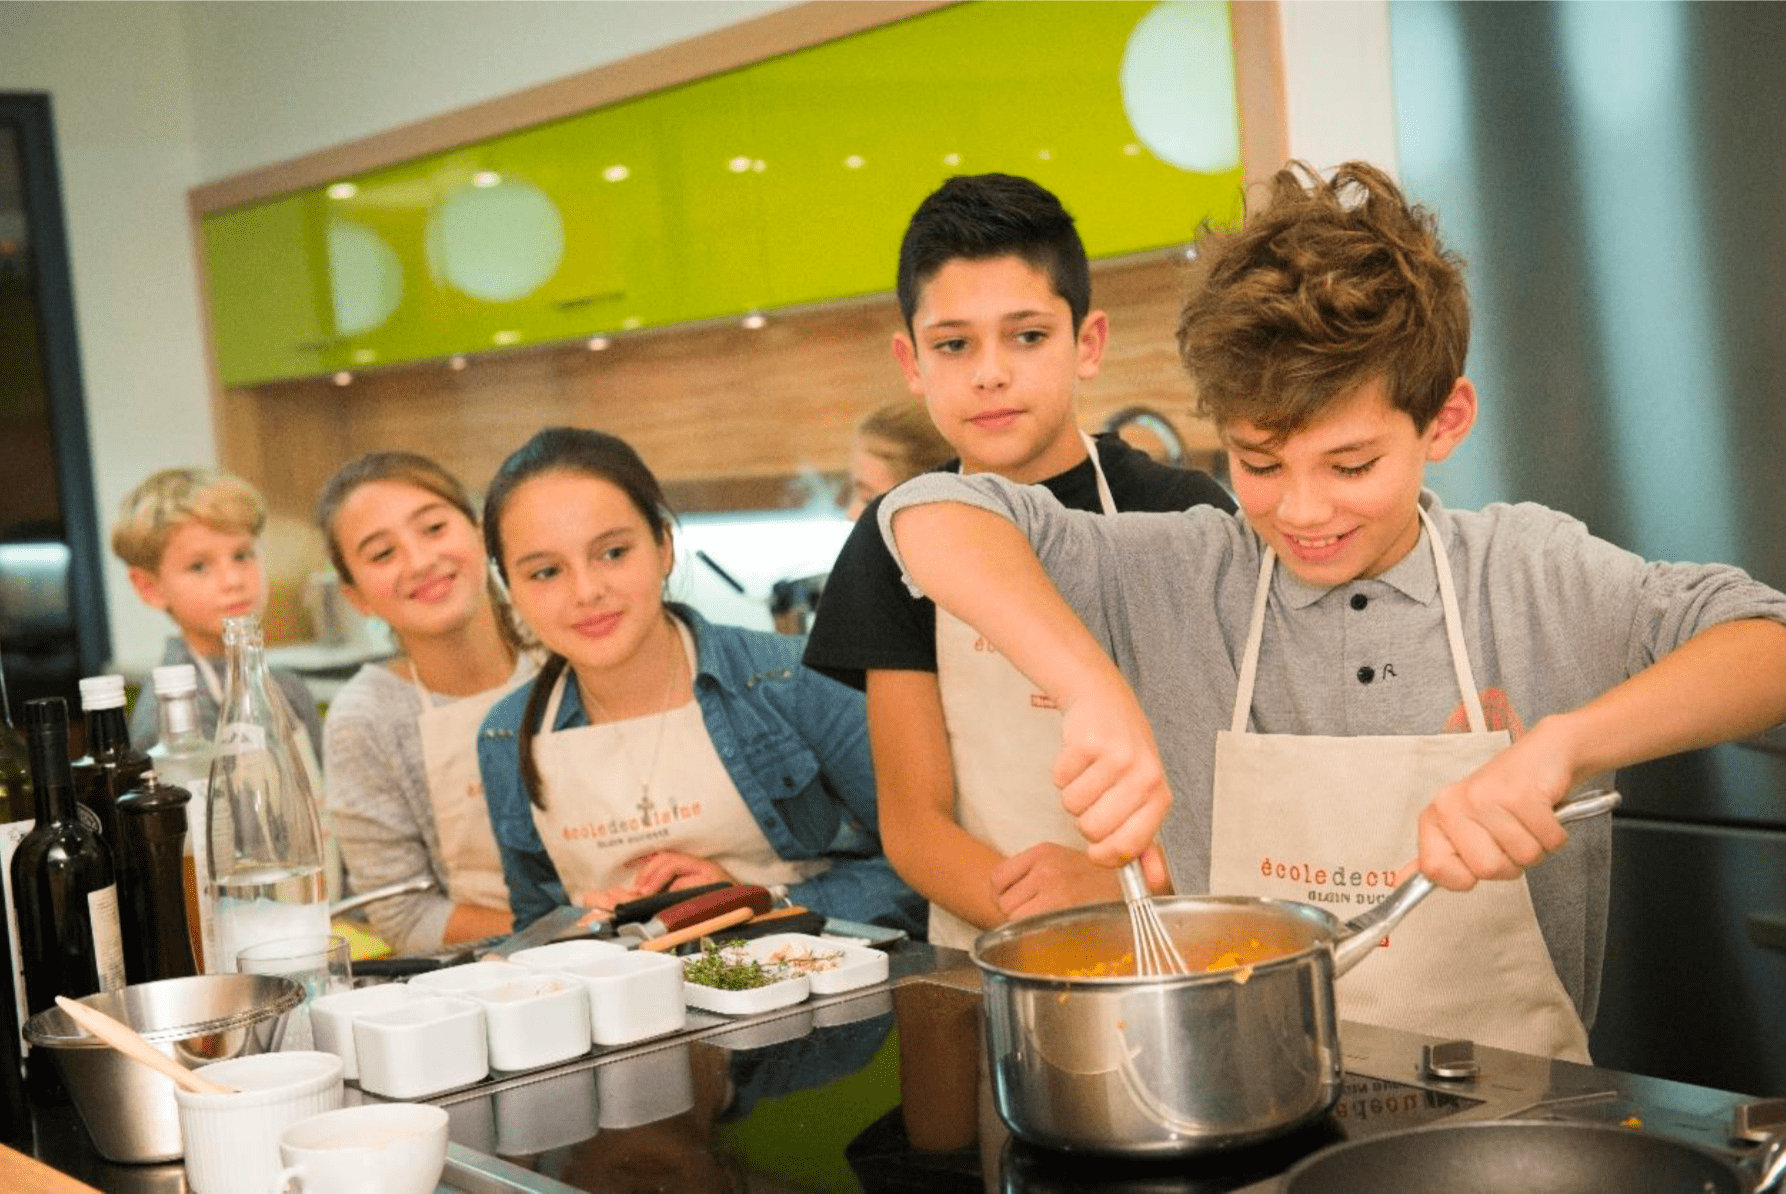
152 887
62 878
15 821
17 816
111 765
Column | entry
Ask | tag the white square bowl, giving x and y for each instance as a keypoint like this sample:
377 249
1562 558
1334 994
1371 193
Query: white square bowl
462 980
562 954
332 1017
632 995
422 1047
830 966
535 1020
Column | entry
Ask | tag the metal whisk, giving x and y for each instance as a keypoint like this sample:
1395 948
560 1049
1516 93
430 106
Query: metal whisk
1155 952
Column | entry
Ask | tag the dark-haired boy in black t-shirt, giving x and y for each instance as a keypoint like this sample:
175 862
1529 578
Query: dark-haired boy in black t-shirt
996 294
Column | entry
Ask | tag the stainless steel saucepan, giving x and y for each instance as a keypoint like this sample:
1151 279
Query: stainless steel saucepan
1163 1065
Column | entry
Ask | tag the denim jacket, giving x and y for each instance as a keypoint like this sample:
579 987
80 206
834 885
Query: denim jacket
796 747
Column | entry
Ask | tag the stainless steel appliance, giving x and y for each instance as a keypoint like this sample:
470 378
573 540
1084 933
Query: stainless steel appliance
1612 173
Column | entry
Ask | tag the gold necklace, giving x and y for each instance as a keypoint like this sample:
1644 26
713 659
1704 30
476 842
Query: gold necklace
663 719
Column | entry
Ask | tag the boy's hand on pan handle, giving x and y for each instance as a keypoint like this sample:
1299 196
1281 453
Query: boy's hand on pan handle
1109 772
1499 821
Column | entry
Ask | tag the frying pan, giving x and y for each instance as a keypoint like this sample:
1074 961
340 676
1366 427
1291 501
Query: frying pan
1531 1157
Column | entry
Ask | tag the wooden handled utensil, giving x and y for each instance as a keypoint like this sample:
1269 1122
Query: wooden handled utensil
127 1041
726 920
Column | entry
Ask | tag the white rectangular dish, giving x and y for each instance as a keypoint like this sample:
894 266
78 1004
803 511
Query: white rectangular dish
423 1047
747 1002
332 1017
469 977
535 1020
829 965
563 954
632 996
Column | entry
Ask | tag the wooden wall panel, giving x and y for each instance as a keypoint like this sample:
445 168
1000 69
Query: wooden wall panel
708 407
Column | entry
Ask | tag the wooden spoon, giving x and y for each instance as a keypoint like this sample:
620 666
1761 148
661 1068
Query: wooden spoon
127 1041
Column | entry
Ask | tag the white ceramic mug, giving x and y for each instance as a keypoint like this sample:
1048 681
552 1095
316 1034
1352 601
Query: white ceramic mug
378 1148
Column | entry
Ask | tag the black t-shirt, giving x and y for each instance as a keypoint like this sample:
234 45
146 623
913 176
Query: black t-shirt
868 619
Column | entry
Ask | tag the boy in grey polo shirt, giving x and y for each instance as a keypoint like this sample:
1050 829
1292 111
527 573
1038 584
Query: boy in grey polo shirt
1326 338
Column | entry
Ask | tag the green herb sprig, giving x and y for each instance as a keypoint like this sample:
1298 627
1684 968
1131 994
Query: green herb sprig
724 971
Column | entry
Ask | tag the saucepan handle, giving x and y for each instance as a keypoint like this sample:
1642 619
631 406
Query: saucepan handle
1361 933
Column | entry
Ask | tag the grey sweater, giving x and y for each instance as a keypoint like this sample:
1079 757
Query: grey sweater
379 807
1551 615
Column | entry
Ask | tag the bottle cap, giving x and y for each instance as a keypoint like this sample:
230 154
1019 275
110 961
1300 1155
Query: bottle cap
102 692
46 713
175 679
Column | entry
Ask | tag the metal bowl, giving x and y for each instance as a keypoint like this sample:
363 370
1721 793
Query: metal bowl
127 1107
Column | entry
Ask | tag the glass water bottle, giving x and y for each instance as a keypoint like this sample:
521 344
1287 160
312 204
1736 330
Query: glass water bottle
266 861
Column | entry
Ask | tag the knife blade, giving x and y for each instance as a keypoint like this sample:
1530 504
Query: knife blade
544 931
701 908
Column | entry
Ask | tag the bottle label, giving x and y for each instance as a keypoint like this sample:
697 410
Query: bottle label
241 737
11 834
108 941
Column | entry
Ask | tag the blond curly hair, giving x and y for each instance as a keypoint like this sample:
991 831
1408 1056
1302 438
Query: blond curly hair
173 497
1332 284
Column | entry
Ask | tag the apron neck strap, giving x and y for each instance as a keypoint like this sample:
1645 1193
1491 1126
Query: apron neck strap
1106 501
1454 635
209 674
1454 629
550 717
421 690
1249 661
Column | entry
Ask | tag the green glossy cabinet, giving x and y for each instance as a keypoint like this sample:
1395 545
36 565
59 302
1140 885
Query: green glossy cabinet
269 289
786 182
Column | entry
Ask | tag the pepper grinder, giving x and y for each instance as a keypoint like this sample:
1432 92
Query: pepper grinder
152 823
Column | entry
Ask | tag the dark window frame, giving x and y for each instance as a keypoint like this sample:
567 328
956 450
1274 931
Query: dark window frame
29 114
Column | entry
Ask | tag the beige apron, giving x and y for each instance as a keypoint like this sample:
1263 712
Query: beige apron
1328 820
456 790
617 790
1004 738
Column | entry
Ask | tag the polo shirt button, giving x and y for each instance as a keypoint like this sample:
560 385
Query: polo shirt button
1366 675
1359 601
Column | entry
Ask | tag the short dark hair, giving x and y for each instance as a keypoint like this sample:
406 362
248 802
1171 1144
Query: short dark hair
977 217
1333 283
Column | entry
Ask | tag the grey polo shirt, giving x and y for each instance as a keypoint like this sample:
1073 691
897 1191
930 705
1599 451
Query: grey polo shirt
1552 617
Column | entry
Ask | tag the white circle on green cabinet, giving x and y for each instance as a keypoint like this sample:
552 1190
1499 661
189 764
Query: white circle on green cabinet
1178 85
496 243
365 277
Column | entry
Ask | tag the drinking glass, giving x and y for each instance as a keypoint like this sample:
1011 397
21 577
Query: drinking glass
320 961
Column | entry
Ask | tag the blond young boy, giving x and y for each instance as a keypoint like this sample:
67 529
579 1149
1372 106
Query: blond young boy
190 538
995 291
1411 680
